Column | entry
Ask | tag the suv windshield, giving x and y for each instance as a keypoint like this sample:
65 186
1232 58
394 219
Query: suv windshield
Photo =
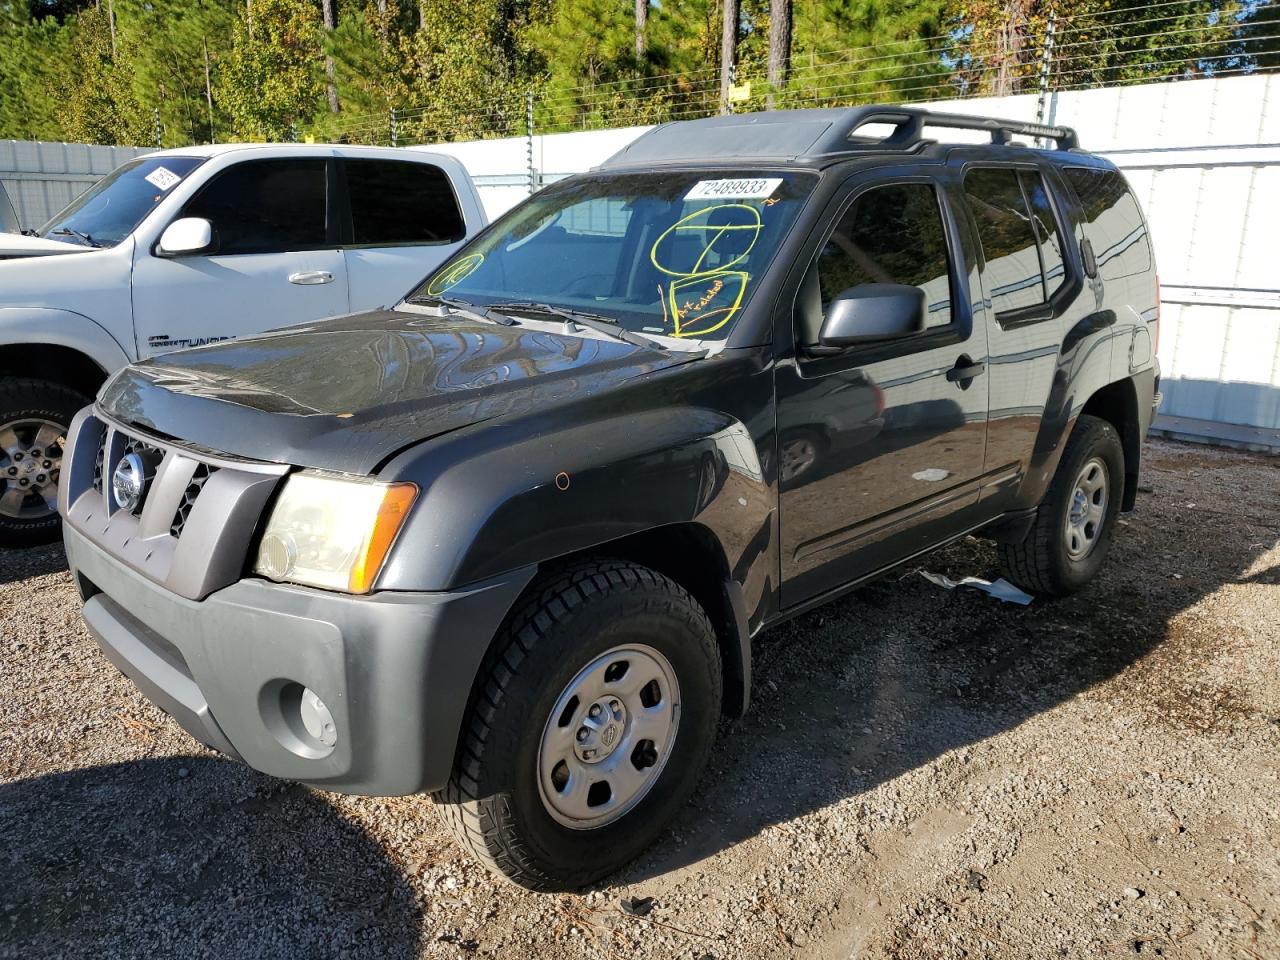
109 210
676 253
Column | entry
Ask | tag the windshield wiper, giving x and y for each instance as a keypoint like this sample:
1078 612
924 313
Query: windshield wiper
467 307
592 321
68 232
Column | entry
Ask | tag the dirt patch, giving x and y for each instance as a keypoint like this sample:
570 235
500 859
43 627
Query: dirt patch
923 774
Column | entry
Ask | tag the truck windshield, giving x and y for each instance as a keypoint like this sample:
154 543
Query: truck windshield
108 211
676 253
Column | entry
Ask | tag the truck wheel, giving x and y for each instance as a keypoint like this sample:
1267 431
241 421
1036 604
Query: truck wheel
589 726
1076 520
34 417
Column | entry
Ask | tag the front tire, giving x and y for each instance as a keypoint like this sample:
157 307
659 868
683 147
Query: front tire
34 418
591 721
1076 520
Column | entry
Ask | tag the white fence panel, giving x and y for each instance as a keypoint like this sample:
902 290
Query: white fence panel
42 178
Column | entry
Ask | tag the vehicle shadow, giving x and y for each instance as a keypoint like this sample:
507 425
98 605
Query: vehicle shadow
899 673
16 565
192 856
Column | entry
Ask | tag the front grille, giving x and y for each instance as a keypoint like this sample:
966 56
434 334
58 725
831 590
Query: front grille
198 479
98 463
143 449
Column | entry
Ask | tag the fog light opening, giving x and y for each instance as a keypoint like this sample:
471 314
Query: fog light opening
299 719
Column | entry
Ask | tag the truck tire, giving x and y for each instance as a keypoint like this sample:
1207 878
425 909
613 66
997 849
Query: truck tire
590 724
34 417
1076 520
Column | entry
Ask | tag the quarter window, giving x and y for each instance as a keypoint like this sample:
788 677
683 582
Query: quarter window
1113 222
265 206
891 234
1021 240
394 202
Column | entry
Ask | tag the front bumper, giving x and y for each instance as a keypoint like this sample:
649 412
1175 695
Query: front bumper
395 670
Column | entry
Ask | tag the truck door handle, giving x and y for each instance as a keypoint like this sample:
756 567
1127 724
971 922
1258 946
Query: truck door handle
309 277
965 370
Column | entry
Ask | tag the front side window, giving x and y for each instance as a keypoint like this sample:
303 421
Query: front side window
265 206
677 253
890 234
394 202
110 210
1112 222
1021 240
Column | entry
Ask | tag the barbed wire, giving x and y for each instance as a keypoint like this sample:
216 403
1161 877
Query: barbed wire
951 65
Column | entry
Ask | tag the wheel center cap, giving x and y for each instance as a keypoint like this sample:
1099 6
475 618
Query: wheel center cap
601 730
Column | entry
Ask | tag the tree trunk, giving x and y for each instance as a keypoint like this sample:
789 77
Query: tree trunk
326 7
111 22
779 45
208 89
642 20
728 51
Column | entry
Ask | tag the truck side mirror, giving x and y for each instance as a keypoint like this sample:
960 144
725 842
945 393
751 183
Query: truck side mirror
871 312
185 236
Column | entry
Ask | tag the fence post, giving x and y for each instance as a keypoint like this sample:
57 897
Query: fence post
528 140
395 133
158 130
1046 67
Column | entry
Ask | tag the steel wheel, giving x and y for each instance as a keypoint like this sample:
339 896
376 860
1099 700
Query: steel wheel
1087 509
30 461
608 737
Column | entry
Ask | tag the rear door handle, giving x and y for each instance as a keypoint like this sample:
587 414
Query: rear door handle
965 370
309 277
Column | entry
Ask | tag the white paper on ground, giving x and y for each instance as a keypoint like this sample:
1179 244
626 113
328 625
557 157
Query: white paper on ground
1001 589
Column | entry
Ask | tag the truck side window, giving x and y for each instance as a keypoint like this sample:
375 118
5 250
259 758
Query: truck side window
1021 240
395 202
890 234
1112 222
265 206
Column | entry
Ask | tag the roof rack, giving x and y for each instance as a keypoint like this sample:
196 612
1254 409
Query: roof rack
909 124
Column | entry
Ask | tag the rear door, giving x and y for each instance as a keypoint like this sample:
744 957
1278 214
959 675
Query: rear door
276 259
881 448
405 220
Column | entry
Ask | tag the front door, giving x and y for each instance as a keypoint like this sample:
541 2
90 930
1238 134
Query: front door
274 263
880 447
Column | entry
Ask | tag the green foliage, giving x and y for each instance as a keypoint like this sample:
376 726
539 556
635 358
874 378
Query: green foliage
106 109
30 52
271 83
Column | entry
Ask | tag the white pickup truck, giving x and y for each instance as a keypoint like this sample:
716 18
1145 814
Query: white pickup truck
190 246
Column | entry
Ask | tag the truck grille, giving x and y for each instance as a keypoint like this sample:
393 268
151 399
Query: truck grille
198 479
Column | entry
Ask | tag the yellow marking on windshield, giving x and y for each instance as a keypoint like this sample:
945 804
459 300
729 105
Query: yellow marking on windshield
454 274
748 219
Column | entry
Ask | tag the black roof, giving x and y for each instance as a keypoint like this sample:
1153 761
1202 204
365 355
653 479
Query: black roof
814 136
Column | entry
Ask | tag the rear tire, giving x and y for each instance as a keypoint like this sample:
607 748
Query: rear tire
1075 522
34 417
545 679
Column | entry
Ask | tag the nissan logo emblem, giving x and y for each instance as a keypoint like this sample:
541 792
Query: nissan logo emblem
129 482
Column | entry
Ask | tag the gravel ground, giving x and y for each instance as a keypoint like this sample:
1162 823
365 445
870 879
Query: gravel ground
923 774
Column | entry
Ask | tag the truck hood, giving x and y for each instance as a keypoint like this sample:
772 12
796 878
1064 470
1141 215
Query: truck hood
14 245
346 394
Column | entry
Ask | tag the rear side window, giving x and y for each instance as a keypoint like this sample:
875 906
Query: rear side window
1112 222
891 234
395 202
1021 240
265 206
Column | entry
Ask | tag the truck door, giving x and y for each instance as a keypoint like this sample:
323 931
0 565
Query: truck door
405 222
880 446
275 261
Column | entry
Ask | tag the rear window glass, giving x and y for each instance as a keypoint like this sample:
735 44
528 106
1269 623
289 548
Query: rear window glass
393 202
1112 222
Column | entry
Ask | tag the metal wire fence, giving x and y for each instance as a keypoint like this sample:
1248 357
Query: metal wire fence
1167 40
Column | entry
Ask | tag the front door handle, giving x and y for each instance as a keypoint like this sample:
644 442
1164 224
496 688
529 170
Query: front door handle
965 370
308 277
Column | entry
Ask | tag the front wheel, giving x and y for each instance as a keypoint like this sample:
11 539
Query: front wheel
589 727
1076 520
34 417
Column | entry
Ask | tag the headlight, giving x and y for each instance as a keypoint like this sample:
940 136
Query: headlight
332 532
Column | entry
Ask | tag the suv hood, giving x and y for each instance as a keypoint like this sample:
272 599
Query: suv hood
16 245
346 394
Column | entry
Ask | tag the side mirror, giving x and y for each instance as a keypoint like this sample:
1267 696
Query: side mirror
188 235
872 312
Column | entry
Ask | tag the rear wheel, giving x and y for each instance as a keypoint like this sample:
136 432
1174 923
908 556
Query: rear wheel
34 417
589 727
1076 520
